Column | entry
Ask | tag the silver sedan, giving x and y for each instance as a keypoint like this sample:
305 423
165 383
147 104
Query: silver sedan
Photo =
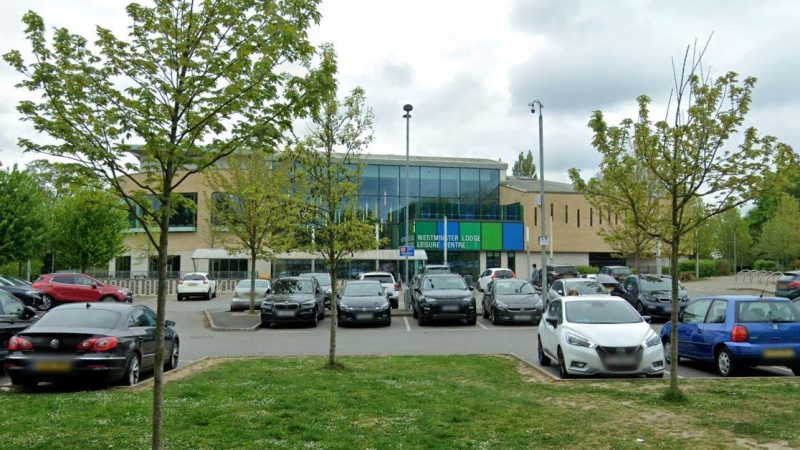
241 295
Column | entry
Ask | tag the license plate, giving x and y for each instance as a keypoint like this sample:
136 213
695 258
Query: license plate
53 366
779 353
620 360
284 313
364 316
524 317
191 284
449 308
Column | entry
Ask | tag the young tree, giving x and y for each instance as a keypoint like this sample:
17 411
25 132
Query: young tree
691 157
91 226
253 208
326 176
524 166
780 235
192 82
23 217
733 239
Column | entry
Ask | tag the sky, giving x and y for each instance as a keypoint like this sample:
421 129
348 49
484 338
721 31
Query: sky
471 67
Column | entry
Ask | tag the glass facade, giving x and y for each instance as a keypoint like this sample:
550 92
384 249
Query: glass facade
229 268
184 218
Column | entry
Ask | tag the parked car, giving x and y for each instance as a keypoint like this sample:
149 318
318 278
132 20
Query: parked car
430 269
387 281
324 280
512 301
444 296
737 331
293 300
16 281
27 294
196 284
652 294
98 342
578 286
788 285
364 302
557 272
620 273
59 288
589 335
241 294
492 274
14 317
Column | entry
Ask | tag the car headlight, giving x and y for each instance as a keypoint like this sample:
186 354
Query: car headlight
33 293
235 294
344 307
308 304
539 303
467 299
651 340
574 339
501 304
266 305
384 307
428 299
123 291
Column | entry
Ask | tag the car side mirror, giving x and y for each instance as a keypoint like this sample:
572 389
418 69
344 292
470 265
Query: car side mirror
647 318
26 313
169 323
95 285
317 290
552 321
269 291
472 288
560 292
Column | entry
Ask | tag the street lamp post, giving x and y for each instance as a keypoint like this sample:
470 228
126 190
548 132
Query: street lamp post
543 277
406 293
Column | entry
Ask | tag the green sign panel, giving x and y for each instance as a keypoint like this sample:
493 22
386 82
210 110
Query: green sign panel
470 235
492 236
476 236
426 236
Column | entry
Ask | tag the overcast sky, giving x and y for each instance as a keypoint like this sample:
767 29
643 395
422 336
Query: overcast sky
470 67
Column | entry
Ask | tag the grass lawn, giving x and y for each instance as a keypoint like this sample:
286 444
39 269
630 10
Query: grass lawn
407 402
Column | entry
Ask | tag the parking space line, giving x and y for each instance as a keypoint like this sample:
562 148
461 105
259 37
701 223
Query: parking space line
481 325
408 327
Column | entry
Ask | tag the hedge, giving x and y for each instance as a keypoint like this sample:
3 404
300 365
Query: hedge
763 264
585 270
708 268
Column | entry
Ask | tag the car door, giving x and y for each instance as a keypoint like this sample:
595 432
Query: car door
556 291
86 289
168 334
62 287
712 330
145 330
631 290
689 331
547 330
488 297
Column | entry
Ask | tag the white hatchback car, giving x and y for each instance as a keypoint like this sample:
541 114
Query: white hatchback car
196 284
389 285
588 334
492 274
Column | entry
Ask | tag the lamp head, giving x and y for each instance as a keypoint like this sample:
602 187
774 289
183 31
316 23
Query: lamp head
407 108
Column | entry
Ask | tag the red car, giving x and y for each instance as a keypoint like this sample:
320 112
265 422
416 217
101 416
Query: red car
76 287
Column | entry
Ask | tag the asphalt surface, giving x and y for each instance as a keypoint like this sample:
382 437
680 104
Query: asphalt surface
403 337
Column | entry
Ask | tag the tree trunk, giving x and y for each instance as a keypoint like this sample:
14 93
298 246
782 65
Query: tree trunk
158 370
252 281
673 342
334 311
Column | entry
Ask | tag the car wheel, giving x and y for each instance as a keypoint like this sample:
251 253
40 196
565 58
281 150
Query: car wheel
414 311
562 366
208 295
421 320
473 320
180 298
265 324
495 320
26 384
640 308
321 315
724 362
215 293
666 350
172 362
108 299
46 303
544 360
485 312
796 370
131 376
655 375
315 321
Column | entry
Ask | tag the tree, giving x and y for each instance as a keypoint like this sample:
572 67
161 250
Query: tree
785 180
733 239
192 82
23 217
524 166
91 226
780 235
326 177
691 157
253 208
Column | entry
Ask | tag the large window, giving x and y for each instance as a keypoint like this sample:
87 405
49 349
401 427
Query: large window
370 180
413 181
490 184
229 268
122 267
389 182
429 181
183 219
173 266
470 183
449 182
493 260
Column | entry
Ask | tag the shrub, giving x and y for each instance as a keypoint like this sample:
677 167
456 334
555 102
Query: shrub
586 270
763 264
686 276
723 267
707 268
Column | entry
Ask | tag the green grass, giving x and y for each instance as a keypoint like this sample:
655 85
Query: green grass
406 402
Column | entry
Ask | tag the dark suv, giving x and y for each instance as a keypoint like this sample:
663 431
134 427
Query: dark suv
293 300
618 272
556 272
788 285
651 295
444 296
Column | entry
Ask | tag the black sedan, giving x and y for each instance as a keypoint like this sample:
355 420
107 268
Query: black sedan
364 302
106 342
445 297
294 300
25 292
512 301
14 317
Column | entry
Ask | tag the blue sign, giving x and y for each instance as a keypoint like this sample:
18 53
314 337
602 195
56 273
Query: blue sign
512 237
406 250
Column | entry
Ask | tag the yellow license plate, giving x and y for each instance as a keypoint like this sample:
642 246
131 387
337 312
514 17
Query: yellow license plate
783 353
53 366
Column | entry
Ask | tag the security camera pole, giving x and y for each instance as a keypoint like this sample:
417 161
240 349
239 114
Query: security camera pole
543 241
406 293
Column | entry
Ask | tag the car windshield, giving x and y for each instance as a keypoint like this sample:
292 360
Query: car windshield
292 287
381 278
518 287
363 290
767 312
656 284
621 271
437 270
601 312
503 273
586 287
245 284
323 279
194 278
565 269
445 283
79 318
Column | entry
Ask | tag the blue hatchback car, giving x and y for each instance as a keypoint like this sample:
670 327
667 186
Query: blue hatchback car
736 331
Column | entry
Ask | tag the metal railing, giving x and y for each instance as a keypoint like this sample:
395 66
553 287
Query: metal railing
767 276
